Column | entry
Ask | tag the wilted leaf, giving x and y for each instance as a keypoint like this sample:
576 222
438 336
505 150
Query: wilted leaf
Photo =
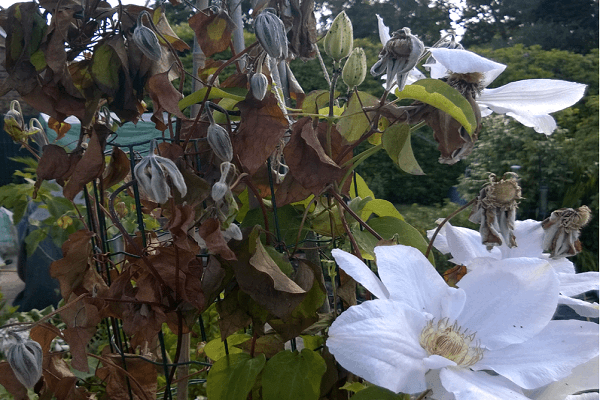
142 377
232 316
164 95
269 345
288 230
215 93
454 275
105 68
117 170
162 24
396 141
443 97
213 30
261 129
353 123
54 164
81 319
70 269
11 383
44 334
210 231
293 376
233 376
61 128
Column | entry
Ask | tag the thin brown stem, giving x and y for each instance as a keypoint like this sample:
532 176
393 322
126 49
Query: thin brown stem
422 395
442 224
356 217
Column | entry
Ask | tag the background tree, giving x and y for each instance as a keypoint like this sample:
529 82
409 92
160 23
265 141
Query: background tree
553 24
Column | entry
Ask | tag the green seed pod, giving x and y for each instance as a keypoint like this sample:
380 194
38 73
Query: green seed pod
258 85
355 69
25 359
146 39
339 39
219 142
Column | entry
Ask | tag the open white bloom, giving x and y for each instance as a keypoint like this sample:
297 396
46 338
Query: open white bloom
529 101
421 331
466 248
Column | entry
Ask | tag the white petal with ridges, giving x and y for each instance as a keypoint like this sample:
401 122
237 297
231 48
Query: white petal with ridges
409 277
574 284
463 62
583 377
361 273
384 31
540 123
547 357
378 340
465 245
472 385
581 307
509 301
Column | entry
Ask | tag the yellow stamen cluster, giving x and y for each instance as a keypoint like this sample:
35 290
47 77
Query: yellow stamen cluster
451 342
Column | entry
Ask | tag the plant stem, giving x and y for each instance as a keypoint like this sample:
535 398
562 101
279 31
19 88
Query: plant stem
442 224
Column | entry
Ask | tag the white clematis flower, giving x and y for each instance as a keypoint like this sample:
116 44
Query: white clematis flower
529 101
421 331
466 248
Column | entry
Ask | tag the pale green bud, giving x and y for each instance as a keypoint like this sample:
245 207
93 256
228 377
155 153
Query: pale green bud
339 39
355 69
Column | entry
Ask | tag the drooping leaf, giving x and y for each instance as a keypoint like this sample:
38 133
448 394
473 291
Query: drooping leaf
61 128
215 349
396 141
289 223
269 345
70 269
142 377
316 100
213 30
444 97
105 68
117 169
164 96
210 231
11 383
162 24
232 377
293 376
236 94
353 122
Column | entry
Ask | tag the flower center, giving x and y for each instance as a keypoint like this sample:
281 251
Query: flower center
450 342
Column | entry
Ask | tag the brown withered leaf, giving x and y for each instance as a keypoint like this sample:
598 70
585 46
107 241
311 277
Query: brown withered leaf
210 231
70 269
290 191
260 277
454 275
232 316
44 334
213 30
262 128
304 29
180 222
11 383
54 164
269 345
142 377
309 163
209 68
164 95
61 128
81 318
60 381
91 164
165 29
117 170
171 151
212 278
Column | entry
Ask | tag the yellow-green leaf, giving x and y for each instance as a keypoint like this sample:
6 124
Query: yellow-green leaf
396 141
443 96
215 93
354 123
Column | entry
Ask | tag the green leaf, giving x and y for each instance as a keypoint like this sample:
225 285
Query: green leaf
105 68
34 238
215 93
396 141
361 190
444 97
382 208
353 387
316 100
353 123
312 342
293 376
281 260
388 228
378 393
232 377
289 220
215 349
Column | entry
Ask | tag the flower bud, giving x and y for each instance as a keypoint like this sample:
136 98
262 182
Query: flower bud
146 40
219 190
25 359
270 32
258 85
339 39
219 142
355 69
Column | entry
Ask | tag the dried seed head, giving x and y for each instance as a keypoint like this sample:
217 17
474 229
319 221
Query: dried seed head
219 141
339 39
270 32
258 85
355 69
25 359
398 56
146 39
562 230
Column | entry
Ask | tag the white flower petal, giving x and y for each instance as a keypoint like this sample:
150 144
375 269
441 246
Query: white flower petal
465 245
583 377
463 62
472 385
361 273
561 265
533 96
581 307
548 356
540 123
410 278
384 31
529 235
378 340
509 301
584 396
574 284
437 362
